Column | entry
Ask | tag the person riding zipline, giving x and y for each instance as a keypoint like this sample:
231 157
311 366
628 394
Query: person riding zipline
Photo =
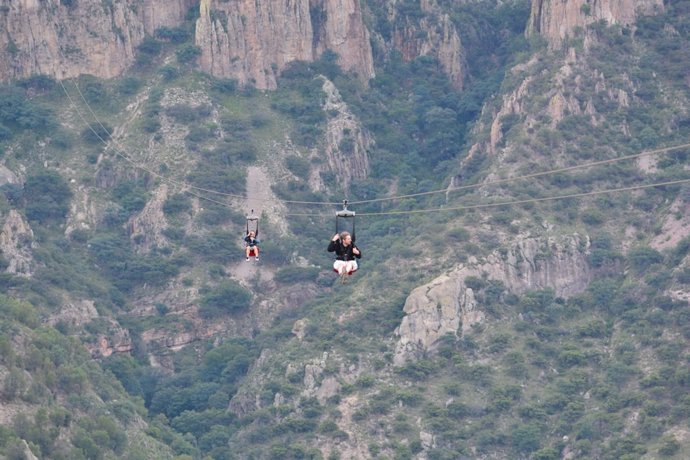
345 254
251 245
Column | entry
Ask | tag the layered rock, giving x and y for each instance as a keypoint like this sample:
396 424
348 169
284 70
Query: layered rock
146 227
75 313
435 36
447 306
116 340
16 240
62 41
253 42
164 13
555 20
344 33
7 176
347 142
85 37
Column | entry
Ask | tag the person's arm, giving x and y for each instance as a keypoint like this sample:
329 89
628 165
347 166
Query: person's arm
356 252
333 244
257 241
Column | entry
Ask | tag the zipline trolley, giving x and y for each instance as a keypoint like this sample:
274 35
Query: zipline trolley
345 221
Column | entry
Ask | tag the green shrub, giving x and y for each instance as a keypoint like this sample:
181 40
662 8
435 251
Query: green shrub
97 133
169 72
669 446
527 437
418 370
298 166
188 53
475 283
131 195
19 113
296 274
47 196
228 297
17 310
643 257
177 203
172 34
129 86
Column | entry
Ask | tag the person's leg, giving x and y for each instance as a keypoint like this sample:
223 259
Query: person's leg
352 267
339 267
256 252
246 252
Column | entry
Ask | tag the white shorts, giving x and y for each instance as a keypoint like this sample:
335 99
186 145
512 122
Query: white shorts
346 266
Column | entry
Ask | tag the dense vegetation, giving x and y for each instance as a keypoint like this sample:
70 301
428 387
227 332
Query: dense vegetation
603 373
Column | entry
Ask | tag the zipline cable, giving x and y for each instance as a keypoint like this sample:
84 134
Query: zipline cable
530 176
184 185
508 203
419 211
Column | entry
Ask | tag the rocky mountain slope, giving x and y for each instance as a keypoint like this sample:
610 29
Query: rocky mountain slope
485 322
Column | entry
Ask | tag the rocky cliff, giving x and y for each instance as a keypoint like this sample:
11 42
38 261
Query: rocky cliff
447 306
347 142
432 35
555 20
67 39
16 241
253 41
164 13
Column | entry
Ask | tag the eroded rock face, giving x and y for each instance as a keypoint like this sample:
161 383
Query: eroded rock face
51 37
16 241
253 42
75 313
62 41
447 306
555 20
344 33
347 142
435 37
7 176
145 229
117 340
164 13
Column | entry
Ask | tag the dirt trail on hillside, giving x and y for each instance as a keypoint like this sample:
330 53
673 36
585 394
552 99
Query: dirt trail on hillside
272 224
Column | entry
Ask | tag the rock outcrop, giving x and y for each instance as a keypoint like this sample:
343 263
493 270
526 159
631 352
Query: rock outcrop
68 39
16 241
7 176
343 32
675 226
61 41
447 306
164 13
116 340
146 227
555 20
347 142
434 35
253 42
75 313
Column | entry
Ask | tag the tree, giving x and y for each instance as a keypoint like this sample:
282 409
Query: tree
47 196
228 297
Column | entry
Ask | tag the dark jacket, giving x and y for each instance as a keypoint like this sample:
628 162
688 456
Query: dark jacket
251 242
342 252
